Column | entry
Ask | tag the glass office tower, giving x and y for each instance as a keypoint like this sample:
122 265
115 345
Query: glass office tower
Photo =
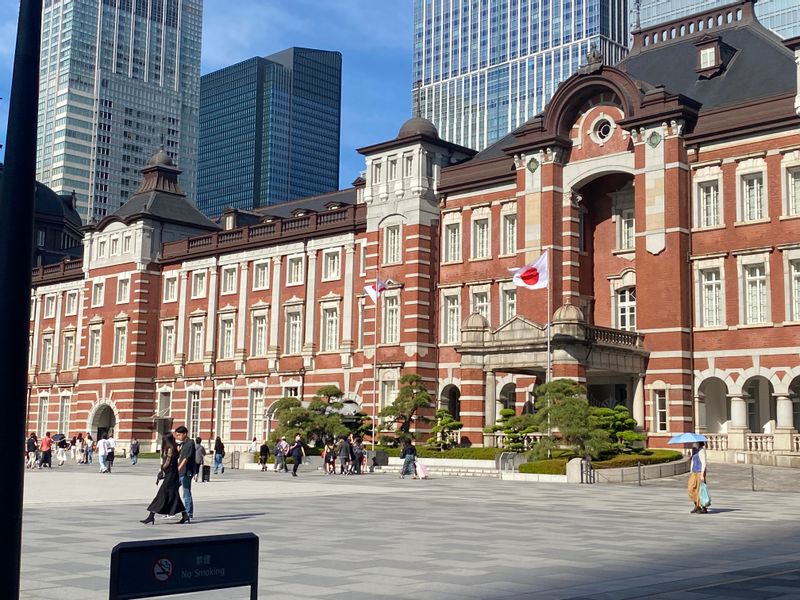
117 80
781 16
482 67
269 130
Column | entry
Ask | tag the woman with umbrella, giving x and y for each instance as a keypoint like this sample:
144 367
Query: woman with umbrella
167 500
697 475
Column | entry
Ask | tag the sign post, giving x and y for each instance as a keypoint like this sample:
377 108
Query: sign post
153 568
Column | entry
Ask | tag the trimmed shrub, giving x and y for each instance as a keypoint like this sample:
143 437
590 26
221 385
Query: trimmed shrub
648 457
551 466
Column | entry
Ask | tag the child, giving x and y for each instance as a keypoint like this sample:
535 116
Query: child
330 458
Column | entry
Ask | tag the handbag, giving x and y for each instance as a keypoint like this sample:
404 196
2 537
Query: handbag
705 499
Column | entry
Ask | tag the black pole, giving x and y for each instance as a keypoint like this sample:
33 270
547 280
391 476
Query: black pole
16 248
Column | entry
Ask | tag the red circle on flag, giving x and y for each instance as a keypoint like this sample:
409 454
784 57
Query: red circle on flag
530 276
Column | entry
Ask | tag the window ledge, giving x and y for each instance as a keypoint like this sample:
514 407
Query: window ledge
452 262
507 255
788 217
753 222
293 284
326 279
624 252
260 289
197 297
699 229
753 325
231 293
712 328
480 259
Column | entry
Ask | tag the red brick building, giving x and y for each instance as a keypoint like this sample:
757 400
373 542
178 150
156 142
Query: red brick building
666 191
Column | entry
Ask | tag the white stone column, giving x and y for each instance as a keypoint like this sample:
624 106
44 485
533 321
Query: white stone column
79 331
347 309
489 406
37 318
57 333
737 434
241 326
784 429
211 321
638 402
311 308
275 314
183 285
700 413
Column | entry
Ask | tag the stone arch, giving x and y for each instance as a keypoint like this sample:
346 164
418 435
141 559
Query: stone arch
103 418
584 175
450 399
715 413
769 374
724 376
758 391
794 395
507 398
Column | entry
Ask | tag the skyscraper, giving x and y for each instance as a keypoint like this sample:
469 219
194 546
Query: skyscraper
781 16
269 130
117 80
481 67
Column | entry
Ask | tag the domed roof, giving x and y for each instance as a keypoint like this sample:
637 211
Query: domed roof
161 159
418 126
568 312
47 203
475 321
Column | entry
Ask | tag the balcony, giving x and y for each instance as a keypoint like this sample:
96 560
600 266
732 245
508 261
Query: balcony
61 271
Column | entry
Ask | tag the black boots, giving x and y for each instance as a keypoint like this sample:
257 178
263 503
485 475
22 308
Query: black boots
184 518
150 519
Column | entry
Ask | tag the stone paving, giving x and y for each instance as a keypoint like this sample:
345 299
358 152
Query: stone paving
376 536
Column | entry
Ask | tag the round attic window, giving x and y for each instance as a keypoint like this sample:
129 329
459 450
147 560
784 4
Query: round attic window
603 129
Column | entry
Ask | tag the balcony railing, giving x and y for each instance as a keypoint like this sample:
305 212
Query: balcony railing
759 442
614 337
66 269
528 440
717 441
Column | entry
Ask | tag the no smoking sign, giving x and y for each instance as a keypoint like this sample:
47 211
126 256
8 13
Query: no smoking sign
162 569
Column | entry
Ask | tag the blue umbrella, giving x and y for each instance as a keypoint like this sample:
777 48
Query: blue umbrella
687 438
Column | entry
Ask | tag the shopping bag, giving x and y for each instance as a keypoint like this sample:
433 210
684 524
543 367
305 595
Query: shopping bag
705 499
422 471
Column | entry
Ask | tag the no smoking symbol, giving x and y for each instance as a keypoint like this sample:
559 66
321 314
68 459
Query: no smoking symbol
162 569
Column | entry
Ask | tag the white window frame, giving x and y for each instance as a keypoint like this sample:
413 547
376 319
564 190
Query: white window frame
451 239
71 303
47 363
227 336
389 391
295 270
362 261
42 414
745 264
167 350
481 234
745 171
294 330
120 353
196 347
199 280
49 306
123 289
332 264
708 57
329 327
98 293
408 165
101 247
228 283
508 297
126 243
171 285
256 406
261 275
392 244
480 300
508 229
702 287
705 178
224 411
259 334
94 350
625 308
391 318
624 218
791 284
660 410
64 409
193 408
114 248
68 351
451 316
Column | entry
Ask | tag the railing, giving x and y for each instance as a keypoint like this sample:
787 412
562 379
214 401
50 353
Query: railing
716 441
616 337
758 442
528 440
63 269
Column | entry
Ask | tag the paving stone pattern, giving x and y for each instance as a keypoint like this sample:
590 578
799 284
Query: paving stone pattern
376 536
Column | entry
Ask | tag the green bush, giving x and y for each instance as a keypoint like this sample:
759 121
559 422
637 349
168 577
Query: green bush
648 457
552 466
460 453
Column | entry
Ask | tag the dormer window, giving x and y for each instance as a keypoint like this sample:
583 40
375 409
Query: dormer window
708 57
230 221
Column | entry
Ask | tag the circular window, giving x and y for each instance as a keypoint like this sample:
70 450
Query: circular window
603 129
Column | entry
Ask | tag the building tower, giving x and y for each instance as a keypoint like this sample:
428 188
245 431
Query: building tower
269 130
118 79
781 16
483 68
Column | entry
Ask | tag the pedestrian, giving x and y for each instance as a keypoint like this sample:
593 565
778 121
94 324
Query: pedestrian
134 451
102 452
46 448
61 452
281 450
112 444
72 444
297 451
253 449
90 447
167 501
358 454
186 465
219 454
263 456
31 447
343 452
697 476
329 457
80 449
409 455
199 458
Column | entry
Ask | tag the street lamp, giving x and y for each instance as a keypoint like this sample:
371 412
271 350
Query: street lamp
302 372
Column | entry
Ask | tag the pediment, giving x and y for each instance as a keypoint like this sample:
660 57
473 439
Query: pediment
519 324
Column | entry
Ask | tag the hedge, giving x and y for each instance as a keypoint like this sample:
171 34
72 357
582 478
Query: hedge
551 466
558 466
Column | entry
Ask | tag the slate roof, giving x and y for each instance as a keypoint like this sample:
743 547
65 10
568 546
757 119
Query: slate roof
285 210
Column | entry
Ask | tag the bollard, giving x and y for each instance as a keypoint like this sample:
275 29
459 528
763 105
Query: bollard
753 477
639 466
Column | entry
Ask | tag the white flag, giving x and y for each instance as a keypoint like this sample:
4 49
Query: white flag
533 276
374 290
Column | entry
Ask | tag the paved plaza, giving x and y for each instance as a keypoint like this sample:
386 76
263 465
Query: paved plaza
377 536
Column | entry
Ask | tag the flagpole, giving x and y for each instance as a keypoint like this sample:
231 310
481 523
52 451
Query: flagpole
549 374
375 348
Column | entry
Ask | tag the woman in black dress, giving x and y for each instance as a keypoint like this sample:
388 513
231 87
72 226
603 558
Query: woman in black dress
167 500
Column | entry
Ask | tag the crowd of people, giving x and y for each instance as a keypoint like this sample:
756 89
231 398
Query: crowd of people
39 452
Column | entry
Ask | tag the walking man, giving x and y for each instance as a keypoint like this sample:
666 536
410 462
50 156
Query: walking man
186 466
102 452
281 449
31 446
297 451
134 451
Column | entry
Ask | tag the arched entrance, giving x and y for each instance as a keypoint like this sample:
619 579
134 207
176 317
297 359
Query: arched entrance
508 398
103 421
451 400
714 393
794 396
761 405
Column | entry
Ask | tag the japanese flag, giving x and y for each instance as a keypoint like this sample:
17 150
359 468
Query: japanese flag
533 276
374 290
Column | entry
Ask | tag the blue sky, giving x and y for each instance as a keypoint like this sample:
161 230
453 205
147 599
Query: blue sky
374 37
